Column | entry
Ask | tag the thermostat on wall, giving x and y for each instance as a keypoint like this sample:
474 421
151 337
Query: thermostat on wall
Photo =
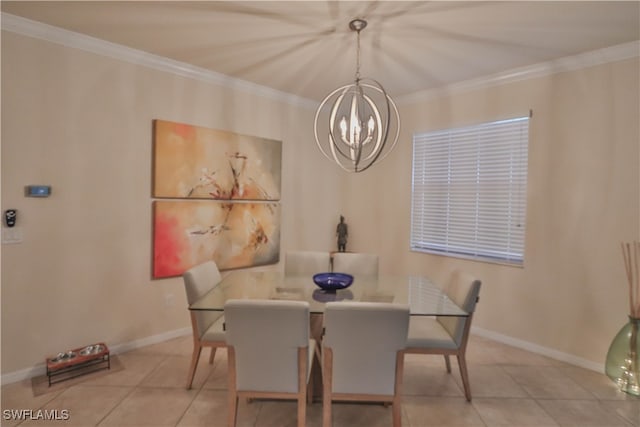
38 191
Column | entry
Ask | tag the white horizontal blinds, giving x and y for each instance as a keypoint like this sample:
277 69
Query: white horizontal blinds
469 191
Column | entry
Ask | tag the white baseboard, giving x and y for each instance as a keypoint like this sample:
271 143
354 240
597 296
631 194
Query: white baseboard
154 339
23 374
538 349
40 369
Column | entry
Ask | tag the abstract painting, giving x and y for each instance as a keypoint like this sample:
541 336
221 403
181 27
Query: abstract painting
200 163
233 234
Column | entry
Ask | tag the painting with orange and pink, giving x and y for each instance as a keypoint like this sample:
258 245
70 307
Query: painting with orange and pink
200 163
233 234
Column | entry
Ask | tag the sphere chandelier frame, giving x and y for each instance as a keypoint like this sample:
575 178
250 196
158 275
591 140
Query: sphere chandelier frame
360 137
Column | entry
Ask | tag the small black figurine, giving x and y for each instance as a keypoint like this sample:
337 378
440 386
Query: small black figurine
342 233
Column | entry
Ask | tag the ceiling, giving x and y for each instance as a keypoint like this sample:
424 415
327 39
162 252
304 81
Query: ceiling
306 48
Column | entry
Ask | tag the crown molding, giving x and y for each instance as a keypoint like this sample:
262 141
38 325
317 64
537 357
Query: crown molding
570 63
97 46
39 30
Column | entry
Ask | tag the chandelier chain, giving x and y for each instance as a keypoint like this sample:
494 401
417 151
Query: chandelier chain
358 57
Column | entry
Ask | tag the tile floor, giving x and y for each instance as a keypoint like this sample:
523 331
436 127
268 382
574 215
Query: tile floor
510 387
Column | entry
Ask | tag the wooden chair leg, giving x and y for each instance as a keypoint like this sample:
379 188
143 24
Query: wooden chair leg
302 411
326 410
212 355
447 362
232 388
397 414
397 393
462 363
327 372
303 361
197 349
310 386
233 410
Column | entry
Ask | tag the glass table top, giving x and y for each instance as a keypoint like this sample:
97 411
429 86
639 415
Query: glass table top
423 297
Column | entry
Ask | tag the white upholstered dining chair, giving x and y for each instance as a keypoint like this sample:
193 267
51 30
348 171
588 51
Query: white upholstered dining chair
306 262
207 326
362 354
448 335
355 263
269 351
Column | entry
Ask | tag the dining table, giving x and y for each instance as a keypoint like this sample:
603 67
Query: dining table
423 297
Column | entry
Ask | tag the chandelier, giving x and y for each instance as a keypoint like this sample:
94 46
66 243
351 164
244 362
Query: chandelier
357 124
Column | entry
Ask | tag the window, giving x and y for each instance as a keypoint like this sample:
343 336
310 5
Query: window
469 191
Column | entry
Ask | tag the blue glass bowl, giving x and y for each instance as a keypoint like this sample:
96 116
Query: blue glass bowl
332 281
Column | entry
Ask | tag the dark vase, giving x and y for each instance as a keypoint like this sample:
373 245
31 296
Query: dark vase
623 358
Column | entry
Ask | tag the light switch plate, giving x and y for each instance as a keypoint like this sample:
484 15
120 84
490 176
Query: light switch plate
11 235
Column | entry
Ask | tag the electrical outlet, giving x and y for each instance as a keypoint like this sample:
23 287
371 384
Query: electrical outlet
168 300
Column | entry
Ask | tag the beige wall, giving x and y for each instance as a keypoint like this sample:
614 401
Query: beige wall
583 200
82 123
